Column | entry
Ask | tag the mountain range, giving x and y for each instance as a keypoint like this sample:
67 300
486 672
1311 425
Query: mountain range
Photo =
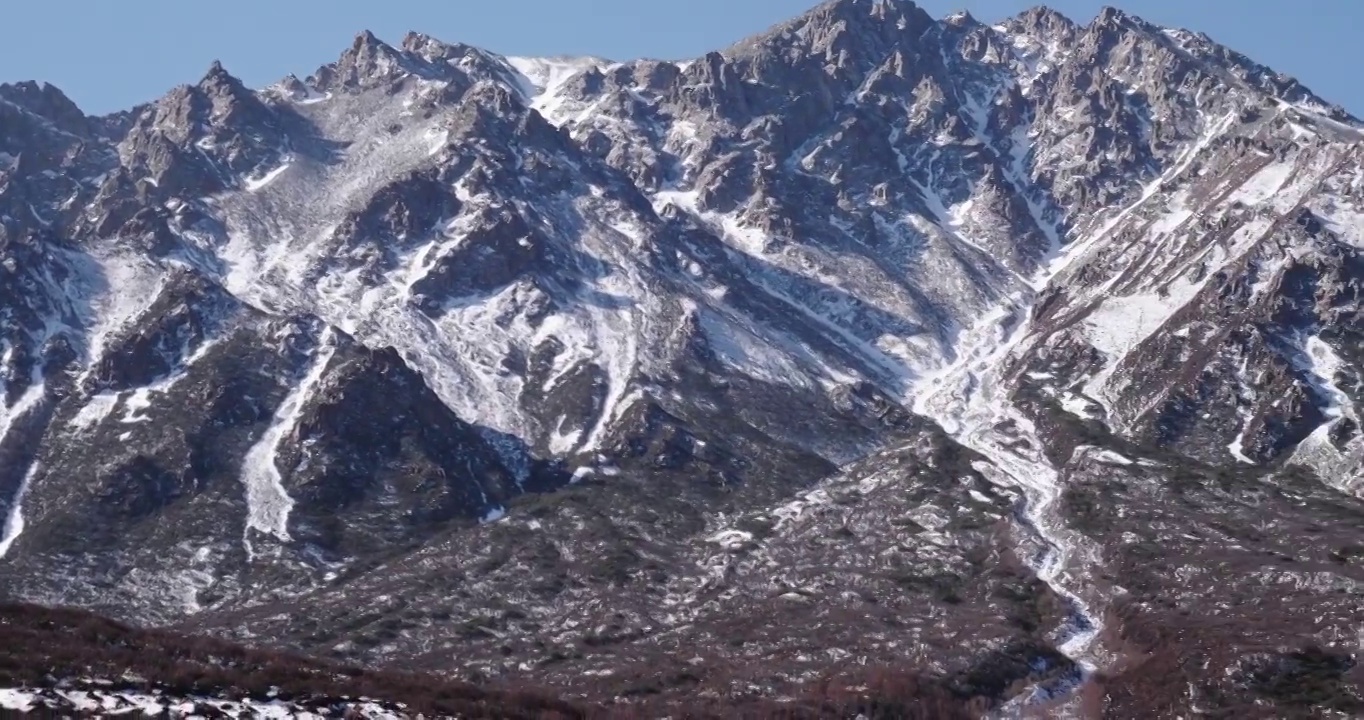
1027 355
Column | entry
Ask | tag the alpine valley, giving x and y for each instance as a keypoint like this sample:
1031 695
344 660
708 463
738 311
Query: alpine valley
1028 357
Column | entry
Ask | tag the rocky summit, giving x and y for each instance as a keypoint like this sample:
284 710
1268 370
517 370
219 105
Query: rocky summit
1026 356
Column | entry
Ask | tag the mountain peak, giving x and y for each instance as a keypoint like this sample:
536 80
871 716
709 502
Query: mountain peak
219 82
856 11
217 74
1113 17
414 41
1043 17
861 28
879 9
368 47
960 18
1109 14
368 60
433 49
46 100
366 39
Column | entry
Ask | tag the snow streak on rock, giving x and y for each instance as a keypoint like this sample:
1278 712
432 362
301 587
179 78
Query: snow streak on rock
9 417
14 524
268 502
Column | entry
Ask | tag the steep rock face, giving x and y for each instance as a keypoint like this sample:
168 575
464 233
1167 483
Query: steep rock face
1213 302
448 351
355 472
175 463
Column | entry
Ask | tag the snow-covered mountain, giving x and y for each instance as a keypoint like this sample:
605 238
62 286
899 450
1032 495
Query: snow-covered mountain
877 324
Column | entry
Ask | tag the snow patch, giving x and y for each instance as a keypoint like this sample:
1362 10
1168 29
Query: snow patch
259 183
128 285
545 75
1245 389
732 539
1237 447
1078 406
1119 324
1324 365
107 702
1263 185
540 79
1337 466
94 411
1107 457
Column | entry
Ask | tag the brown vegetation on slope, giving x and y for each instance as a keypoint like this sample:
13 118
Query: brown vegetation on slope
41 646
46 647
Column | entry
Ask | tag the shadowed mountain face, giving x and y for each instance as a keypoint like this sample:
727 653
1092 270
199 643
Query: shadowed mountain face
999 351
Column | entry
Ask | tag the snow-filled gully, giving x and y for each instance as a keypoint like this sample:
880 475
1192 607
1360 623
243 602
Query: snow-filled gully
267 501
12 525
967 399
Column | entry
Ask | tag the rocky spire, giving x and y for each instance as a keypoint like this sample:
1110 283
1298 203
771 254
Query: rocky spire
49 102
369 61
1043 20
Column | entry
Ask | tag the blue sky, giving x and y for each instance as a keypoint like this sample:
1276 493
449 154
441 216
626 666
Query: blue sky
111 55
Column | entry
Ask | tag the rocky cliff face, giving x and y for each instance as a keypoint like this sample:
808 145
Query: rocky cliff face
929 335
